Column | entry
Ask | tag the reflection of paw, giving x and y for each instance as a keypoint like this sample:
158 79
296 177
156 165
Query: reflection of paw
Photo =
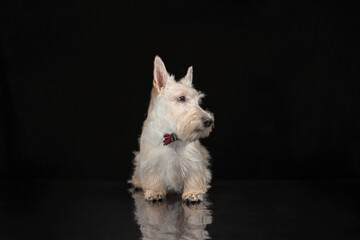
192 197
197 214
192 206
137 189
138 196
155 205
154 195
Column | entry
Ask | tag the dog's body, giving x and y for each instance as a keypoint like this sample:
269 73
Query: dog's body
181 165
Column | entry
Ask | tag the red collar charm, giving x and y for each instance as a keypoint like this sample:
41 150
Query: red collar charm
169 138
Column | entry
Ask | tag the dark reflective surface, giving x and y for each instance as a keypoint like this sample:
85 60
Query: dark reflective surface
63 209
172 219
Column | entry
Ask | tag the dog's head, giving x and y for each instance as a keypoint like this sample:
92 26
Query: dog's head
179 104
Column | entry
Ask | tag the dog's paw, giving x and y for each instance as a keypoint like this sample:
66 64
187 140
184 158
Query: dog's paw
153 195
192 197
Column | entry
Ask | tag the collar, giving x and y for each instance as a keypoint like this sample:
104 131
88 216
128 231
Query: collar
169 138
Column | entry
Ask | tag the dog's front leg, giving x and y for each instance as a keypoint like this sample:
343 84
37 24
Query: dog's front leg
153 187
195 186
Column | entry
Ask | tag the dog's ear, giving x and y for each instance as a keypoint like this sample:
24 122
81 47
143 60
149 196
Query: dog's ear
160 74
189 77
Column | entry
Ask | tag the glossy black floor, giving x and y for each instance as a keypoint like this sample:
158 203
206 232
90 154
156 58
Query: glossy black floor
248 209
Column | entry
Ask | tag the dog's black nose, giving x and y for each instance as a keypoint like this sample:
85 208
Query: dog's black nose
208 122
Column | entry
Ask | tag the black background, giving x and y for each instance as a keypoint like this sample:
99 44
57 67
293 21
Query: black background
281 77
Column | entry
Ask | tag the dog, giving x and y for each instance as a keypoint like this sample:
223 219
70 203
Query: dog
171 157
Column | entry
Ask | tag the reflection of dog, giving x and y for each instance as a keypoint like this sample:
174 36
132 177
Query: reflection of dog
171 219
171 156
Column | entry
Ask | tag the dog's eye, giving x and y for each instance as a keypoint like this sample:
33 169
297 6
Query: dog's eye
181 99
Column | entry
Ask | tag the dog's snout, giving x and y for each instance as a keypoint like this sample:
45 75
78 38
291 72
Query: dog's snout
207 122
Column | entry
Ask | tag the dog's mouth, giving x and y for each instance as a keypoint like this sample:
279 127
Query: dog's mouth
199 129
191 133
202 129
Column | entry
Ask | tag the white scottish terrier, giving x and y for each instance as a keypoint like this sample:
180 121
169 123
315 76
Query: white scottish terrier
171 157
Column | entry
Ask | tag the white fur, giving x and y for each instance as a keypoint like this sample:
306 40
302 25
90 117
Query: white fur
181 166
